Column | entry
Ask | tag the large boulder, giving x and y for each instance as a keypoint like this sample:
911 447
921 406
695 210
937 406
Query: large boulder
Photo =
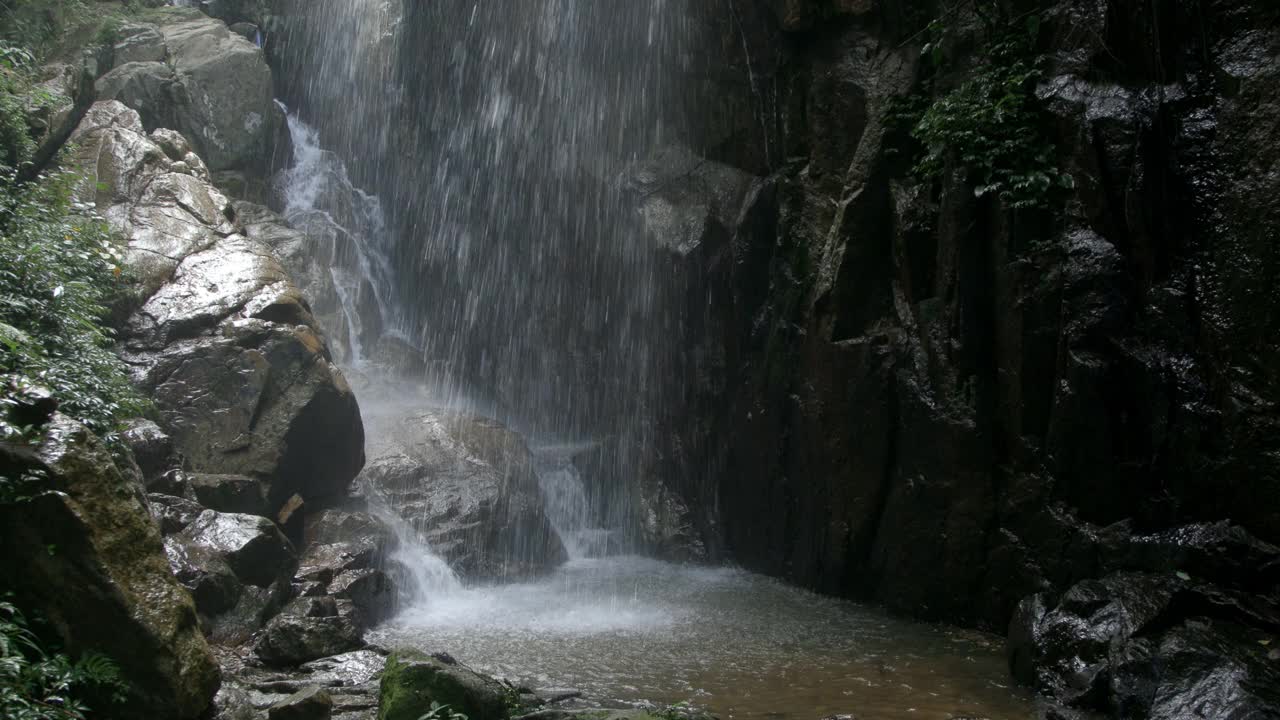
467 485
252 546
411 683
191 74
218 334
90 557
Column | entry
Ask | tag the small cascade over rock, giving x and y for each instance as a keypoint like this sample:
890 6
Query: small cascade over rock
349 271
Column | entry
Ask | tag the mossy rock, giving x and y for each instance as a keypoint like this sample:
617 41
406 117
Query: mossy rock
412 681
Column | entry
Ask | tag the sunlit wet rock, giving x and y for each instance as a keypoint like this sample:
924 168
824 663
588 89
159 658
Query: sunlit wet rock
191 74
204 572
174 513
252 546
467 485
291 640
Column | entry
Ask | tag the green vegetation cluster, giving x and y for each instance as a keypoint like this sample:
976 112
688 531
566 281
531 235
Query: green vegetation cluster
37 685
990 126
59 272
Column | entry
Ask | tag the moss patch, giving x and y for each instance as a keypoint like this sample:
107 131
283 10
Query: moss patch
412 681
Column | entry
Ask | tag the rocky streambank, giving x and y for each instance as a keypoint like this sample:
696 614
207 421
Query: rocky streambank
220 546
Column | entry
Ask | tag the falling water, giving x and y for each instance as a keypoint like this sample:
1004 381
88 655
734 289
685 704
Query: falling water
497 136
321 200
506 251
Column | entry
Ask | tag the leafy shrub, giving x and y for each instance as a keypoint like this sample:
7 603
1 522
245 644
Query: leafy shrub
59 269
990 126
35 685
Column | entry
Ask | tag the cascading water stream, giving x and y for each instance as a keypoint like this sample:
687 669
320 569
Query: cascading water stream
473 202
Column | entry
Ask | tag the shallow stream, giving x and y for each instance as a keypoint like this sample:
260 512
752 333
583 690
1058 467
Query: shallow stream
632 629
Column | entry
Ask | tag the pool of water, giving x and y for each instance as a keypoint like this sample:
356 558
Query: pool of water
744 646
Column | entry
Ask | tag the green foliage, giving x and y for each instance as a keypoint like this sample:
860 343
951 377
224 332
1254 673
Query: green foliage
442 712
990 126
59 271
37 685
16 145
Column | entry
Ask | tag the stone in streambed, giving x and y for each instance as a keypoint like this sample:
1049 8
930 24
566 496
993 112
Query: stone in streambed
290 640
311 703
411 682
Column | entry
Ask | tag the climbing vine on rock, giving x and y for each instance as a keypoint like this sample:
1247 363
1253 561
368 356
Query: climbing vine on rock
990 126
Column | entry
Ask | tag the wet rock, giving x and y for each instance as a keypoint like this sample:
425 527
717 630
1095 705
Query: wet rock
234 703
313 703
264 401
229 493
255 607
1149 645
467 484
251 545
411 683
197 77
291 640
317 253
152 449
160 228
371 593
223 341
339 540
351 669
108 549
204 572
684 197
137 44
312 606
173 513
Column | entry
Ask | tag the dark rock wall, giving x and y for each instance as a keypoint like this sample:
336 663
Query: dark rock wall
902 392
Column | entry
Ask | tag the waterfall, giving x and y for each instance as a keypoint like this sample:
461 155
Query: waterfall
568 508
429 575
350 228
511 256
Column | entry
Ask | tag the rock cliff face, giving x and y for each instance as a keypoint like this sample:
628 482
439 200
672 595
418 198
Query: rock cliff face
911 394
